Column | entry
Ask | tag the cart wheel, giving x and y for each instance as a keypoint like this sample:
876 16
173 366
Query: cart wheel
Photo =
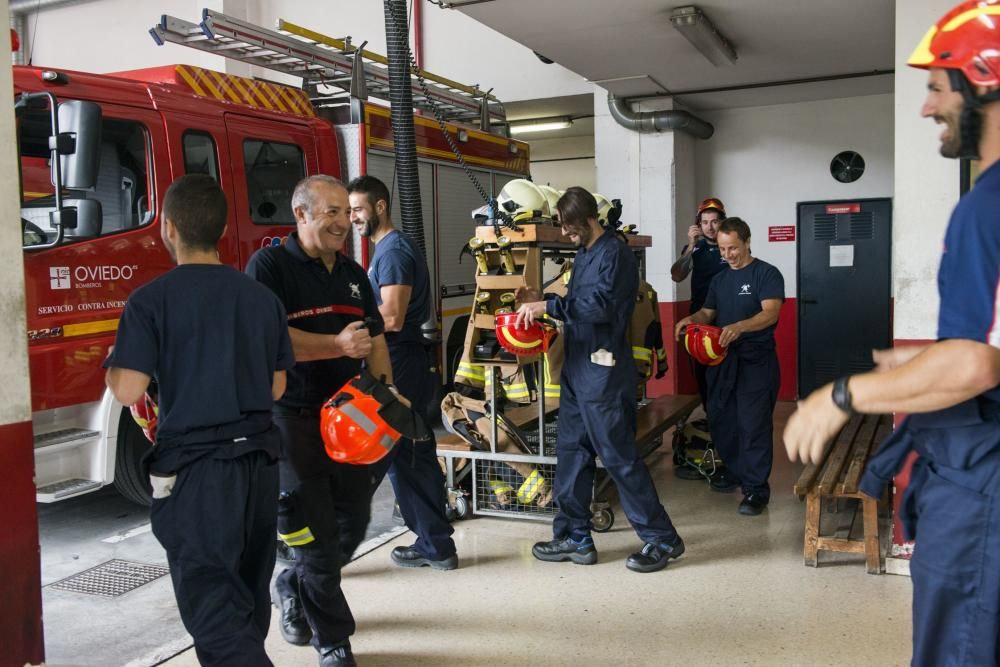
462 509
449 513
602 520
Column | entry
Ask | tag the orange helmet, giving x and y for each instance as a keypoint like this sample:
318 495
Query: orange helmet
702 342
532 339
967 39
146 413
711 204
363 421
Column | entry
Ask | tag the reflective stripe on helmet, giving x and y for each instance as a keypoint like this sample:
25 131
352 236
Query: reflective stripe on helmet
359 418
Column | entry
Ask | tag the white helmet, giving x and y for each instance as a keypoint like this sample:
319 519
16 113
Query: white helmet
523 200
553 196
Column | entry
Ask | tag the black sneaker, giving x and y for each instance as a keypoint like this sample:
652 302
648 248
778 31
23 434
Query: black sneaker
723 481
752 504
410 557
293 624
337 656
581 553
654 557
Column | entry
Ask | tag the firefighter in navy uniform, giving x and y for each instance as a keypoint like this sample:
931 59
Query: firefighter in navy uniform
335 325
701 259
597 408
401 284
745 300
949 388
213 472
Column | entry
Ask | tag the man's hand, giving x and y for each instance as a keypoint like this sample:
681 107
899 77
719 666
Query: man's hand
524 294
809 430
354 341
528 313
886 360
694 233
679 326
730 334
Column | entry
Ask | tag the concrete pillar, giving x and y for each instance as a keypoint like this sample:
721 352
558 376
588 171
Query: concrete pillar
20 585
654 175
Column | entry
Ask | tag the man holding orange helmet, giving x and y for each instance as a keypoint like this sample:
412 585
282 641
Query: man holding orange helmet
597 410
950 388
745 301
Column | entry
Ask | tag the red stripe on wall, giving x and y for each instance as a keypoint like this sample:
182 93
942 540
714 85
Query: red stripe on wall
680 379
20 585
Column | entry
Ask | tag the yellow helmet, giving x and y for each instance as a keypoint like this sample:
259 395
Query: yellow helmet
523 200
552 195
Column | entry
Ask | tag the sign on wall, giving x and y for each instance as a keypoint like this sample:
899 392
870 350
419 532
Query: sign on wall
781 233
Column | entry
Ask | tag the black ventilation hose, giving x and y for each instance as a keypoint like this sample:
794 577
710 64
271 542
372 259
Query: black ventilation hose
397 35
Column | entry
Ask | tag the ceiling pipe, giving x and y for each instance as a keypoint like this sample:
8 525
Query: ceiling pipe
19 10
658 121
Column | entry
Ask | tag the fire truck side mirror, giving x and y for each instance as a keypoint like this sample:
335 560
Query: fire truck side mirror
81 219
79 144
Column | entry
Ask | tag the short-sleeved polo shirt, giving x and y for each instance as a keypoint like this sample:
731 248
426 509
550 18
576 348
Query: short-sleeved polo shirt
398 260
319 301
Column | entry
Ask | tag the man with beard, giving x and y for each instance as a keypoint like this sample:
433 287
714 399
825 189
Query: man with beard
401 283
215 484
597 409
745 300
950 387
701 259
335 326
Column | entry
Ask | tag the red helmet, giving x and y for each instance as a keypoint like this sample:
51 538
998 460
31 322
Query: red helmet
146 413
968 39
533 339
711 204
364 421
702 342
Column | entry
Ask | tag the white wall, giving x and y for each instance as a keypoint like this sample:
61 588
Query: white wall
112 35
926 184
564 162
762 161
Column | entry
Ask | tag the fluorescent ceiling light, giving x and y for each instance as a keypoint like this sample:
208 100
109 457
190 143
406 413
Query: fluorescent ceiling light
540 125
697 29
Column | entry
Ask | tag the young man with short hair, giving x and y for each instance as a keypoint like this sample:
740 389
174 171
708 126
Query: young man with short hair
217 344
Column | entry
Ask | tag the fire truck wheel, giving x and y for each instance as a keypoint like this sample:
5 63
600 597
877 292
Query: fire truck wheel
132 445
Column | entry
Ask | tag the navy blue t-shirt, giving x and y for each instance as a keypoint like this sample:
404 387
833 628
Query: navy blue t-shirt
212 339
736 295
969 274
398 261
706 262
317 301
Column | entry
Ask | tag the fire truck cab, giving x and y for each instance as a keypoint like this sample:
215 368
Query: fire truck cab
132 135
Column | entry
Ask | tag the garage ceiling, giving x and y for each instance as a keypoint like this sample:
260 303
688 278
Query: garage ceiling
630 47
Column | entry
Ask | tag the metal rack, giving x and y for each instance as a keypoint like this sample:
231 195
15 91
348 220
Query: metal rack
323 61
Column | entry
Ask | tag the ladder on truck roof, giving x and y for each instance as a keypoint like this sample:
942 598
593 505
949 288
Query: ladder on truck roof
320 60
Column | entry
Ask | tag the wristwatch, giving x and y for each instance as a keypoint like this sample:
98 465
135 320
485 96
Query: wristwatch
842 395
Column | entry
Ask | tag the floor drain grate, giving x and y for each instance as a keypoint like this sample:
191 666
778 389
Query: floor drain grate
111 579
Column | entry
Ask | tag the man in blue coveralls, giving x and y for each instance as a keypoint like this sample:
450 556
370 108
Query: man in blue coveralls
745 301
952 505
399 278
701 259
218 345
597 410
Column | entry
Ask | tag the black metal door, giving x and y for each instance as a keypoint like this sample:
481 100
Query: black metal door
844 287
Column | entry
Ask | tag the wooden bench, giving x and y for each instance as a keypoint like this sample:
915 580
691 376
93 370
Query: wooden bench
837 477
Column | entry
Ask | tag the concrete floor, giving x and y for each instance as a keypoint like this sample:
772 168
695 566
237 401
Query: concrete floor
739 596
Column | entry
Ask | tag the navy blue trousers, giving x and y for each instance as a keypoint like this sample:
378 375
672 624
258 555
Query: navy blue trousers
218 529
604 428
955 515
413 467
742 424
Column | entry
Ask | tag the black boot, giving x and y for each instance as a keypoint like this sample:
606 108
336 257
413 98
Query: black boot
581 553
410 557
293 624
337 656
654 557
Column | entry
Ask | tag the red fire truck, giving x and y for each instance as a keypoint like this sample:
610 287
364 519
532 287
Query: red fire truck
91 218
